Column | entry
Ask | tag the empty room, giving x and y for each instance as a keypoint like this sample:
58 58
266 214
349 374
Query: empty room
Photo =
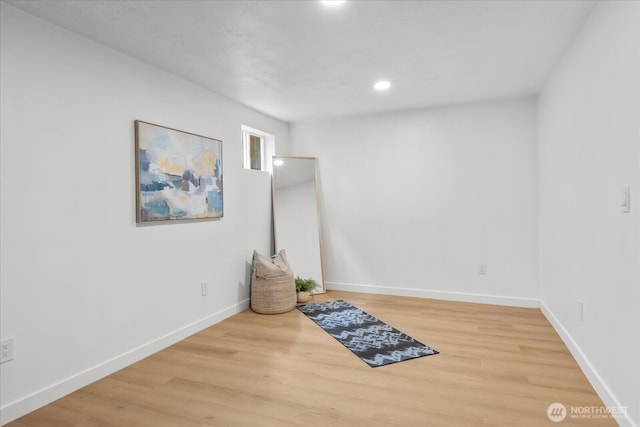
319 213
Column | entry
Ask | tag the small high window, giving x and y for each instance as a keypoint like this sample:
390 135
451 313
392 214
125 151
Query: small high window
258 148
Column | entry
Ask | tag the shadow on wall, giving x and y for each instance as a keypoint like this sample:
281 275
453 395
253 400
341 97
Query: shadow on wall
244 287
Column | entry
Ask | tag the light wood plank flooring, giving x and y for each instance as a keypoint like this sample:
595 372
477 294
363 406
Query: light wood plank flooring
498 366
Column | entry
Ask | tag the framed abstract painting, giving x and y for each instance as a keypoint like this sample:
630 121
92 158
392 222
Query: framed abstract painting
178 175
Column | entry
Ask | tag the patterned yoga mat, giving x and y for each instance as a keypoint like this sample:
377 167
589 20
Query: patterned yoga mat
375 342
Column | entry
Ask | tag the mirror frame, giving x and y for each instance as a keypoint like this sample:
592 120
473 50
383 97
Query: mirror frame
323 288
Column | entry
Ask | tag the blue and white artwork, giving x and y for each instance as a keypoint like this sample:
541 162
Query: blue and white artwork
179 174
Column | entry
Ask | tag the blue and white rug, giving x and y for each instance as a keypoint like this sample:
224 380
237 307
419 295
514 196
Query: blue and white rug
375 342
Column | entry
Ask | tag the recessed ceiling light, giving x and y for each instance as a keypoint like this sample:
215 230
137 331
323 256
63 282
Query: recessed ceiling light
278 162
332 2
382 85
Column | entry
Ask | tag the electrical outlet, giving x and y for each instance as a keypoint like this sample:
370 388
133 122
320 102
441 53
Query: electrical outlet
204 288
7 349
482 269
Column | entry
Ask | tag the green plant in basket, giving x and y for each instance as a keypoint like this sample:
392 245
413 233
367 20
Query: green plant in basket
305 285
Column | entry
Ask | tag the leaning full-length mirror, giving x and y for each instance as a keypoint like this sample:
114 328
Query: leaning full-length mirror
296 221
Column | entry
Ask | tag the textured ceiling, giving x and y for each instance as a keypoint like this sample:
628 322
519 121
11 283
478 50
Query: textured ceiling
298 60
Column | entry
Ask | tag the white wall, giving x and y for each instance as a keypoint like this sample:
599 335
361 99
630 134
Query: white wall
589 134
412 201
84 290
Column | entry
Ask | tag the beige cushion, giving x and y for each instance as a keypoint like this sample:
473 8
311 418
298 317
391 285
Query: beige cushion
265 267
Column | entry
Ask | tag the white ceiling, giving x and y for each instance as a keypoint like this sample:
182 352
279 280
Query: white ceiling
298 60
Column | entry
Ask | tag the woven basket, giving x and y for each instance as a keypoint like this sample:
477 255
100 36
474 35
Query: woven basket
273 288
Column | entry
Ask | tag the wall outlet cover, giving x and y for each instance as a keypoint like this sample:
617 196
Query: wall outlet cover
482 269
7 349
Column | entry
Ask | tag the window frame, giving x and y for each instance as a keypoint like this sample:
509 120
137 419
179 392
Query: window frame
267 148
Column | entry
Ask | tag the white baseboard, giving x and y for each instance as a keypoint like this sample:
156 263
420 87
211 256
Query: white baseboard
442 295
23 406
601 388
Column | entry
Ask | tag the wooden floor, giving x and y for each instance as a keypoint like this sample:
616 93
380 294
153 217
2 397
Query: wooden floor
498 366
